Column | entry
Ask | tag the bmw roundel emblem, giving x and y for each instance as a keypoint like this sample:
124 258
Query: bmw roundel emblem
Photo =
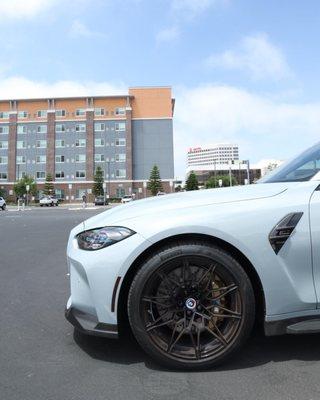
191 303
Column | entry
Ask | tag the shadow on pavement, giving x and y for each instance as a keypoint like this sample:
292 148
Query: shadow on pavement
258 351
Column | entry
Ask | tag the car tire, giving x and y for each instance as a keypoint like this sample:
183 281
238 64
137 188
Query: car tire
191 306
4 207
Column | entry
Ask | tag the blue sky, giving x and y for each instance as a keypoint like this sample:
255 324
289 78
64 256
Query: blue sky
241 70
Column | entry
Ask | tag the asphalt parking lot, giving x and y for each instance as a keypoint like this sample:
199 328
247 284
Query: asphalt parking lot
42 358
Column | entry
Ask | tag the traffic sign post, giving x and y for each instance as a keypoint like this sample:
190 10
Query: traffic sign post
27 189
70 187
145 188
104 185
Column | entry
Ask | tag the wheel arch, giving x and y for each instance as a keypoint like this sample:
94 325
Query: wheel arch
204 238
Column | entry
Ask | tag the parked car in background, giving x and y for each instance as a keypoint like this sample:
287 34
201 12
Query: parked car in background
48 201
3 204
100 201
126 199
193 271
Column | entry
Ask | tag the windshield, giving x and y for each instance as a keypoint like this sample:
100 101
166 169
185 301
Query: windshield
302 168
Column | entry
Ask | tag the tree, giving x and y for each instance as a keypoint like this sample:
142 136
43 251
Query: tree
213 181
97 189
192 182
2 193
155 183
48 186
20 186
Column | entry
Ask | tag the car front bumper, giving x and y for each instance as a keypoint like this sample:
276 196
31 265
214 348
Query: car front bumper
88 324
95 282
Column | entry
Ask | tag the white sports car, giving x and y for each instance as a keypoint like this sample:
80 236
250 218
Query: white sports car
192 272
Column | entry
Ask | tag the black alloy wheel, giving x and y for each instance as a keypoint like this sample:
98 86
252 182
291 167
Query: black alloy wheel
191 305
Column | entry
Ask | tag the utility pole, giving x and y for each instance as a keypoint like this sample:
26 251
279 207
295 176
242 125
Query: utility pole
248 172
230 175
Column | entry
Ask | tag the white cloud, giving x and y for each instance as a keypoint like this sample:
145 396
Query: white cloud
168 35
192 8
22 9
264 127
16 9
20 87
255 55
79 29
183 11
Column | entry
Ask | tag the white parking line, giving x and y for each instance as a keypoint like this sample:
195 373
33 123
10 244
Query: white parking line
81 208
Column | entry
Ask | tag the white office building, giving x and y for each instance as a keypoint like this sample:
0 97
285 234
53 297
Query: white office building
221 153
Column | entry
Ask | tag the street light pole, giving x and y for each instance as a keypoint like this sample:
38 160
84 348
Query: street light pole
109 182
70 187
230 176
248 172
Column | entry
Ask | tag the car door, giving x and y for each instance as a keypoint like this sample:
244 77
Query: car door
315 238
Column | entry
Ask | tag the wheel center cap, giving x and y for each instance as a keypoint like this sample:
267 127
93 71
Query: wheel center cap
191 303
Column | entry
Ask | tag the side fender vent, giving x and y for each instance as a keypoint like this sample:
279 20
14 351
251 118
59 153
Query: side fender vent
283 230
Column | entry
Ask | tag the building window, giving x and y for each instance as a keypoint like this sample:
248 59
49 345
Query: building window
60 113
4 160
41 144
3 144
80 174
59 143
3 176
41 175
59 159
21 159
81 143
22 129
4 129
80 112
120 173
120 111
4 115
59 194
120 126
99 142
80 158
42 114
120 193
99 157
60 128
80 193
59 174
80 127
21 144
42 129
22 114
98 112
120 142
120 157
98 127
22 174
41 159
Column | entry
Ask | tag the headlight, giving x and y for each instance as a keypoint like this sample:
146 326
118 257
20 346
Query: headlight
99 238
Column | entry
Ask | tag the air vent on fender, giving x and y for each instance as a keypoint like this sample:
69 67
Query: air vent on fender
283 230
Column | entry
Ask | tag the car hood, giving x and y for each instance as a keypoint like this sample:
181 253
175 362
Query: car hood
199 198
